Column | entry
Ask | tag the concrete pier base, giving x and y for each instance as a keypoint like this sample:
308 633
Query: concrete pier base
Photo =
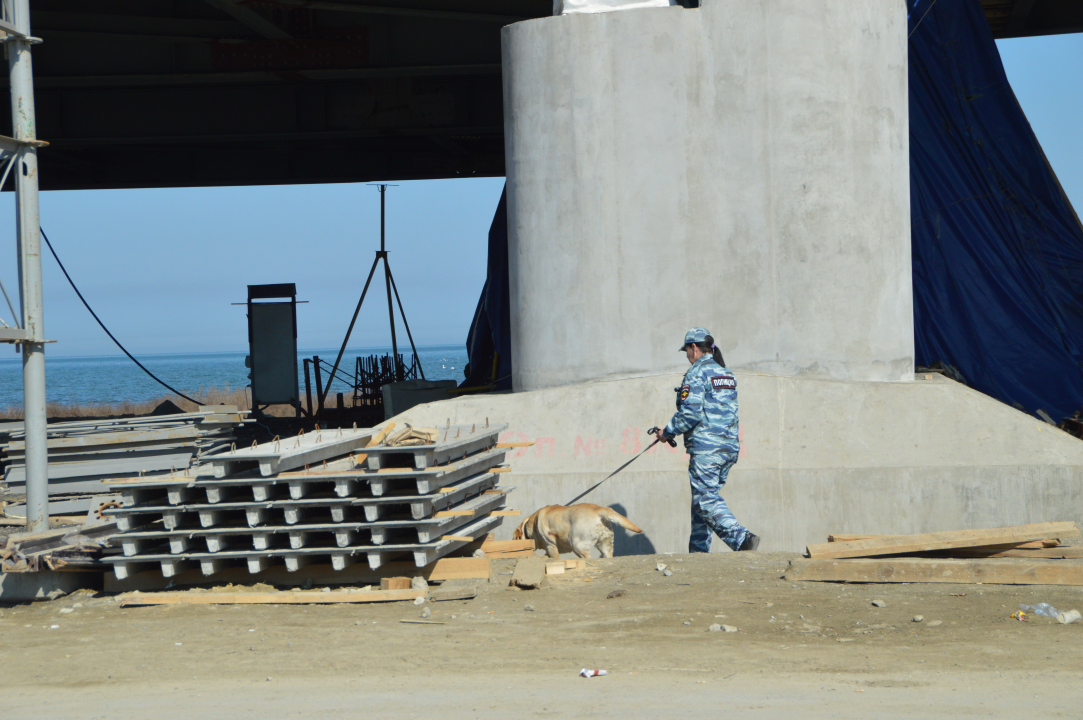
817 457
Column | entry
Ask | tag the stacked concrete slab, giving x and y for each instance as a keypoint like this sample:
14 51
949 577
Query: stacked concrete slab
273 505
82 453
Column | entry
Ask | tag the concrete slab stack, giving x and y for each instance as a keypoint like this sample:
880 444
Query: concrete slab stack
82 453
360 505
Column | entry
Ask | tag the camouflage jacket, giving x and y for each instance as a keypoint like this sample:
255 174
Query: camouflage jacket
706 409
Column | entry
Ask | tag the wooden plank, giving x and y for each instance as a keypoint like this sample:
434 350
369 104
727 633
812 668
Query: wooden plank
514 444
395 583
1047 543
454 513
457 538
504 555
1035 545
462 568
529 573
272 598
555 567
382 435
1053 553
901 544
505 513
507 545
912 570
500 469
840 537
152 481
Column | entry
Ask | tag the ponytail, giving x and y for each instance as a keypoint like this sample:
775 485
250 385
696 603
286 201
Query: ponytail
708 346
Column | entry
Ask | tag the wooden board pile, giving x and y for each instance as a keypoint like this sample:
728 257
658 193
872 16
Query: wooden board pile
83 453
958 556
369 500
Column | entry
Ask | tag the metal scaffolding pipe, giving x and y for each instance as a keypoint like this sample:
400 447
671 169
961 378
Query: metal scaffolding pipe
28 232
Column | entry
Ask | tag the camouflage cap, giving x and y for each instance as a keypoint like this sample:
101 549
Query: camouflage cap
695 335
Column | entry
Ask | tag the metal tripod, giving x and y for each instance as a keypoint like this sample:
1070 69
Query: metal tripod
389 280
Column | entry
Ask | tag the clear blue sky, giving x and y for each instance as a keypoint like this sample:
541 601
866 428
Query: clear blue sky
161 267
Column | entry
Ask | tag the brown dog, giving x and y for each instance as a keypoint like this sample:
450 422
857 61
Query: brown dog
576 528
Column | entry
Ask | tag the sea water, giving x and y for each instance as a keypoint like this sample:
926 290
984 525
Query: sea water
115 378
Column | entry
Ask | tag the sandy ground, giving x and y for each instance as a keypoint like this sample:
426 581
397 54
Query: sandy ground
810 650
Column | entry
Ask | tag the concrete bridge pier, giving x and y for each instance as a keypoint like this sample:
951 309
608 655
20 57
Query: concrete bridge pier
741 166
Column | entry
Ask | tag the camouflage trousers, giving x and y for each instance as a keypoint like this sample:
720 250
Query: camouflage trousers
710 514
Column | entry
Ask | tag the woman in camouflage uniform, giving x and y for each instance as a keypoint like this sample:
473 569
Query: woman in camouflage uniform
707 416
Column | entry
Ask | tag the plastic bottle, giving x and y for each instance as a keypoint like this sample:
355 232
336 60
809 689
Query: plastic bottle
1044 609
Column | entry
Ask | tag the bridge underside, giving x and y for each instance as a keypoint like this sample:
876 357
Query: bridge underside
177 93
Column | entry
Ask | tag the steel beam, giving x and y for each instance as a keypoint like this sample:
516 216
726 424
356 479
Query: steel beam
251 19
28 232
404 12
255 77
283 137
47 21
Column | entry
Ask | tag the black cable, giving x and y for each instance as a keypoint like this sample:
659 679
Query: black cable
87 305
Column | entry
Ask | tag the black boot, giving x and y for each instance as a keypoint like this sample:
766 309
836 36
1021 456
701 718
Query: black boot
752 541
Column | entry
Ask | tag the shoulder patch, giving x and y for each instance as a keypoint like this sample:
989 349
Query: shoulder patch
685 389
724 382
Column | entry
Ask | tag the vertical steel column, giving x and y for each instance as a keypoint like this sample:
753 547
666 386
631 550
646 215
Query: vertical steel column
387 281
28 231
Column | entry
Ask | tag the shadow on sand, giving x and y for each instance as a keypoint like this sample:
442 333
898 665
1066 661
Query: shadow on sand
628 543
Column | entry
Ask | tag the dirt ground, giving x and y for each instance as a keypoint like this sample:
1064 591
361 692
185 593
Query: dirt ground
809 650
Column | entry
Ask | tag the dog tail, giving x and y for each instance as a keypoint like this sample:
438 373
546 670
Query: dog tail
613 516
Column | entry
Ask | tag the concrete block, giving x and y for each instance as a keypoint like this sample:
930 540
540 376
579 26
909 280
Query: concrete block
817 457
24 587
401 396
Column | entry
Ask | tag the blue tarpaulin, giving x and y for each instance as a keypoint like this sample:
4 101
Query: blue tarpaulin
490 332
997 247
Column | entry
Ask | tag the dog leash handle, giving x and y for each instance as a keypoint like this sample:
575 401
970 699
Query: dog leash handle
671 441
